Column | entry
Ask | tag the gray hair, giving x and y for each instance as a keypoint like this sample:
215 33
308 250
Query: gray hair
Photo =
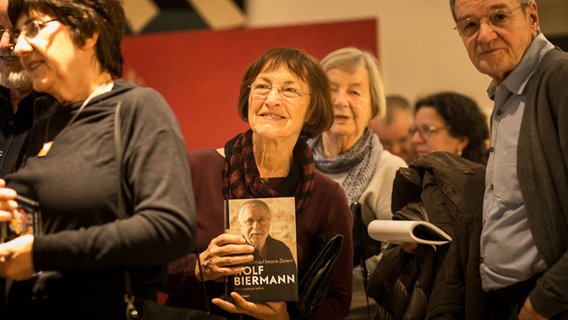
351 59
254 204
523 3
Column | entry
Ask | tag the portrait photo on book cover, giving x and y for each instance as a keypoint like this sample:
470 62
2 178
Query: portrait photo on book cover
269 225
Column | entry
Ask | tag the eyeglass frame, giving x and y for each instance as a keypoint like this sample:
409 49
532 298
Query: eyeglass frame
426 131
39 24
298 93
487 19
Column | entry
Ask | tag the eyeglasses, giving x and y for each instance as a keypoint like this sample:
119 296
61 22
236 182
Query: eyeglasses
262 90
31 29
499 18
425 130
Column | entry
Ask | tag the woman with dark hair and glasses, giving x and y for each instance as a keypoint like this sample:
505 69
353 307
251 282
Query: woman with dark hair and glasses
284 97
450 122
74 268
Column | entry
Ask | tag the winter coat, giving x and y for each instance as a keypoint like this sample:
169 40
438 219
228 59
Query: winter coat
439 282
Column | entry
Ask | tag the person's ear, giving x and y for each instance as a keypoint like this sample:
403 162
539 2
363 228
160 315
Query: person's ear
532 14
462 144
91 42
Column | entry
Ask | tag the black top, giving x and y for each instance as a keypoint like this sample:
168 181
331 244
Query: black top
14 128
76 185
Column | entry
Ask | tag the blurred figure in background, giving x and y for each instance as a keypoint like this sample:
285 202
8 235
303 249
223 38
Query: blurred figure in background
450 122
394 129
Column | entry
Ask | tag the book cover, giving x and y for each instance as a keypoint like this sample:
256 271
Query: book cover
410 231
269 225
25 220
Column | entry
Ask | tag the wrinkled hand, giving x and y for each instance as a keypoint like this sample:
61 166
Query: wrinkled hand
262 311
7 202
224 256
529 313
16 259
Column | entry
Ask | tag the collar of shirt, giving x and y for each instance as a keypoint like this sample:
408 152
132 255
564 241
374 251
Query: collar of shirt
517 80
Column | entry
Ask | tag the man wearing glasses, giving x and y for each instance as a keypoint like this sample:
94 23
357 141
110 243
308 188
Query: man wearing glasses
524 241
273 268
255 220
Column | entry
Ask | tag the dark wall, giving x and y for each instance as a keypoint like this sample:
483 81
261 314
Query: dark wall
560 41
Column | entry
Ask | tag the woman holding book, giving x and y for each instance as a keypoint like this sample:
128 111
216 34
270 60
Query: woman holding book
284 96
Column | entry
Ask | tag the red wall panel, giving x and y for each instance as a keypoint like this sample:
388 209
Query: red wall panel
199 72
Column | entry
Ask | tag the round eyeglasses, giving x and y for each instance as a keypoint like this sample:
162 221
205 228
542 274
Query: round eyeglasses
262 90
498 18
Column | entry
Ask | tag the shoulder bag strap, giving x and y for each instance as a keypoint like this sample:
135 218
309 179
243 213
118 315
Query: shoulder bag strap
131 312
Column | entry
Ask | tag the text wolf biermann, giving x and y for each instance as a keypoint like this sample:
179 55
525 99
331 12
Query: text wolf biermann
254 275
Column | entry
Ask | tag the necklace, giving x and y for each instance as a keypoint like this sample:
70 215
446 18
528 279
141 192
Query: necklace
105 87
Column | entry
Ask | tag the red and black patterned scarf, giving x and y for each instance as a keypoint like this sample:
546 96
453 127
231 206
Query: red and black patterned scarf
241 178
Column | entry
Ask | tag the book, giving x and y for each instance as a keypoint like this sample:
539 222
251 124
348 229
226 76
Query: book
269 225
410 231
25 220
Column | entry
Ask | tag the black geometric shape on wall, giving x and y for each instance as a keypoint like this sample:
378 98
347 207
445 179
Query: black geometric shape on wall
172 4
172 20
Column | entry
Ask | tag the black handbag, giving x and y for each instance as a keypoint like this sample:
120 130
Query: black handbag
315 282
151 310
